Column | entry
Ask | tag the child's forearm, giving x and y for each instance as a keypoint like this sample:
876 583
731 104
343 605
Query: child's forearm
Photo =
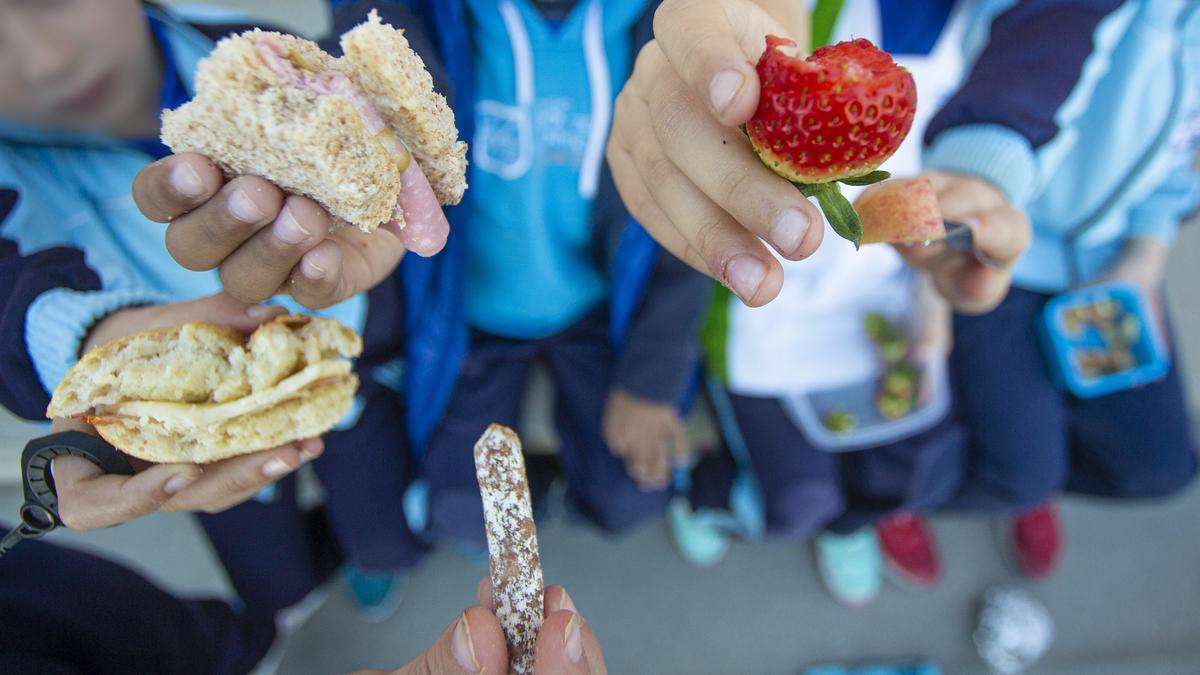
1143 259
1150 250
935 335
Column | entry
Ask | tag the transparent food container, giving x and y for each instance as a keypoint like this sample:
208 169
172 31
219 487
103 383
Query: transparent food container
810 411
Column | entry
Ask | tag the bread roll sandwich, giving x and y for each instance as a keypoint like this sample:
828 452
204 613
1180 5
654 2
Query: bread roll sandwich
365 135
202 393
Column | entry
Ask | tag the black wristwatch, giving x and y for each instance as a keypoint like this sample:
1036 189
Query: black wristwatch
39 513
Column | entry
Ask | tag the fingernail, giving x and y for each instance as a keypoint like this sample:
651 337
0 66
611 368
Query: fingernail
723 88
788 231
260 312
178 482
289 230
242 207
567 603
573 640
276 468
311 269
186 181
744 274
462 647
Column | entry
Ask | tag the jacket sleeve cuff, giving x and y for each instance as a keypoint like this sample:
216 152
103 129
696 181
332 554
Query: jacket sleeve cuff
1163 229
57 322
659 375
992 152
1159 215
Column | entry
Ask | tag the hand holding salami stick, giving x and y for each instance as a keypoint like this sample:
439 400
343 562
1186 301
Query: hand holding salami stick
515 570
518 626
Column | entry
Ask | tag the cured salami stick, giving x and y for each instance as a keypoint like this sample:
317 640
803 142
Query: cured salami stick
512 543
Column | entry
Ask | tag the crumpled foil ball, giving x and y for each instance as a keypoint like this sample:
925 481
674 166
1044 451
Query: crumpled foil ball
1014 631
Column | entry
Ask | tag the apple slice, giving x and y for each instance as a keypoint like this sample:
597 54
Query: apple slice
900 212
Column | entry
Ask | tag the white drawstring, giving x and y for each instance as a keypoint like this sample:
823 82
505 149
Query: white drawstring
521 114
518 37
601 93
599 84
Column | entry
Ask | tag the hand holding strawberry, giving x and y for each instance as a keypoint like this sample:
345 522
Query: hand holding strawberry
679 159
679 155
833 117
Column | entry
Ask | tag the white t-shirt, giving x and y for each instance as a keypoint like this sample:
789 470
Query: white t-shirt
811 337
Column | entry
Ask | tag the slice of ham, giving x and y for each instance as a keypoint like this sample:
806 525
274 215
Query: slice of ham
425 228
425 225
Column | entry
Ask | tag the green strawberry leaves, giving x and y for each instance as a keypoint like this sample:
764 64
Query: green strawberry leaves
868 178
838 210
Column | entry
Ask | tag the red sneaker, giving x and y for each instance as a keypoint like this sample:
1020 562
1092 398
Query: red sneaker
1037 540
909 549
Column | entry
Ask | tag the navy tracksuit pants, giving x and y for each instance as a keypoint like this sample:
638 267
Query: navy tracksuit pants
1029 440
490 388
64 612
275 554
805 489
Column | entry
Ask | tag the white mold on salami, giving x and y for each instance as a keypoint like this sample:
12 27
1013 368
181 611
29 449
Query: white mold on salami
512 543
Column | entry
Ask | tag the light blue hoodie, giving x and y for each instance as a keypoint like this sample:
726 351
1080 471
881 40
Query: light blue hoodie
1084 114
544 96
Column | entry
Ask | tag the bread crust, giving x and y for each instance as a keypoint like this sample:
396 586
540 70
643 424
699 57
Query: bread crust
395 79
250 121
206 365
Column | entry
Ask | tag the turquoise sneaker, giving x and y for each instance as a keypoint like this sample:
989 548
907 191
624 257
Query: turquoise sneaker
850 565
699 543
377 594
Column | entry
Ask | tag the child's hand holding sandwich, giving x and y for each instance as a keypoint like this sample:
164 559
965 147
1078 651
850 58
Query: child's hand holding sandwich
263 240
338 166
90 499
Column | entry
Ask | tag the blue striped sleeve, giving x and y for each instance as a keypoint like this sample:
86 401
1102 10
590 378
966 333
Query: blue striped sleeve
1035 62
52 298
57 322
25 278
1158 216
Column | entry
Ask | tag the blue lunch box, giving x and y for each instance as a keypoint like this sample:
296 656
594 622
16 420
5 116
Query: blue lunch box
1068 341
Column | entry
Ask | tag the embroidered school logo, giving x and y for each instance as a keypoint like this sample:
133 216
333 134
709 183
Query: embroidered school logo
503 143
562 132
509 138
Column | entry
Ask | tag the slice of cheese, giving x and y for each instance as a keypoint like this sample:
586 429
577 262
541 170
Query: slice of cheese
183 416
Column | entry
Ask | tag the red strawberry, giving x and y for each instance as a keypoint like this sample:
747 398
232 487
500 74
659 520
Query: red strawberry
834 116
